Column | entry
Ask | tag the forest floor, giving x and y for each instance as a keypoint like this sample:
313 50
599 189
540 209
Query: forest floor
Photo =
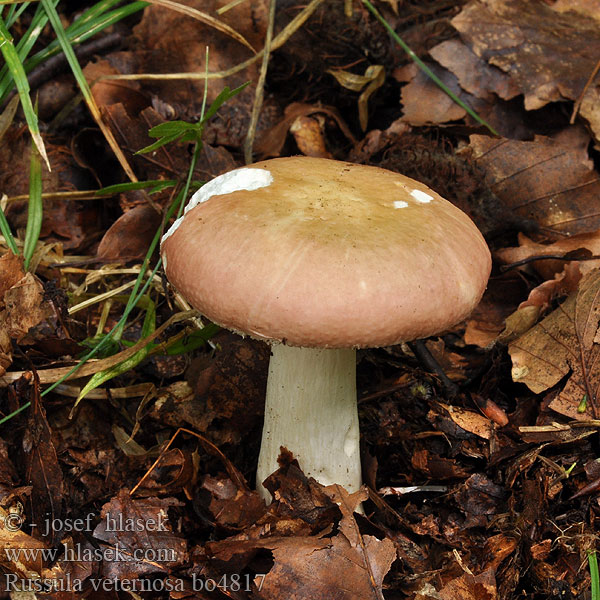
481 466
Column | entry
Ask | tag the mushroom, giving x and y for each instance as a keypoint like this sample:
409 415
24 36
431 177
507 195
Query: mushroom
320 257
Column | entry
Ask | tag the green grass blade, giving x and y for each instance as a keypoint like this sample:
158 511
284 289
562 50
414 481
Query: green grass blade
7 233
426 69
67 48
35 207
151 185
81 30
594 575
23 47
14 13
16 69
133 361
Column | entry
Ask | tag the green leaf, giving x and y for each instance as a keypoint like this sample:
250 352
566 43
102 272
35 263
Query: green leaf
170 128
197 339
159 143
225 95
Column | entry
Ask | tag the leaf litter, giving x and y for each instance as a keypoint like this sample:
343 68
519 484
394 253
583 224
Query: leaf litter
488 493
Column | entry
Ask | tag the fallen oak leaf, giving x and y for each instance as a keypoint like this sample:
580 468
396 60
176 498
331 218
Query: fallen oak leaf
551 182
564 343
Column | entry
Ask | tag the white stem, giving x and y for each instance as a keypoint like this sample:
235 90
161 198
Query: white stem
311 410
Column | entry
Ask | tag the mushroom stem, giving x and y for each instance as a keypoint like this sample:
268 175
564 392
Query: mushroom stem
311 410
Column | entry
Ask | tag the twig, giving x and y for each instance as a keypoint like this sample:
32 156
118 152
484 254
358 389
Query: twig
577 105
260 86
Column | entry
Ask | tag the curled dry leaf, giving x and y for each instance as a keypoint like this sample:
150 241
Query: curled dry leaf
308 133
470 421
539 300
564 343
368 83
547 268
270 142
113 91
563 283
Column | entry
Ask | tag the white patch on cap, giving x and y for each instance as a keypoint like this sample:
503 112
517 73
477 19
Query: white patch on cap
420 196
241 179
400 204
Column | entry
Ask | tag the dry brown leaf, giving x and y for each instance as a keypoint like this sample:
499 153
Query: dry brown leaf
112 91
44 472
539 300
474 75
562 284
591 8
309 137
470 421
437 467
550 182
548 268
548 55
424 102
500 300
497 548
129 237
27 566
350 567
471 587
205 18
11 272
155 534
564 343
271 141
25 307
168 161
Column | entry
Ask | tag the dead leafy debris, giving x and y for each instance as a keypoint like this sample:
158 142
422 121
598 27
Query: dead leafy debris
550 182
535 45
518 507
564 343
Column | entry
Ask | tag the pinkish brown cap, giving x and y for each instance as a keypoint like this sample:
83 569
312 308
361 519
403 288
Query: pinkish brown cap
322 253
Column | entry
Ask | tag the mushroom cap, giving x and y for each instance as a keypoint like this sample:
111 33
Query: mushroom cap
323 253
